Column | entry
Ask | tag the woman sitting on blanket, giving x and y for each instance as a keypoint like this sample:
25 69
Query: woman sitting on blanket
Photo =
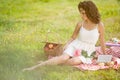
84 38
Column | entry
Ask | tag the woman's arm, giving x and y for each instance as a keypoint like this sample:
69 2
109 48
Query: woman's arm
74 35
101 37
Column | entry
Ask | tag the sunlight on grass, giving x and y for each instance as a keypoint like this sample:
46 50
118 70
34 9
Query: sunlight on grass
24 24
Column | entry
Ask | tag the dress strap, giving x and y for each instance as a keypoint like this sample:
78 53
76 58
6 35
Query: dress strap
97 26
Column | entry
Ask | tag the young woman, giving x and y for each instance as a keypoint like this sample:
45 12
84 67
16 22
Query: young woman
84 38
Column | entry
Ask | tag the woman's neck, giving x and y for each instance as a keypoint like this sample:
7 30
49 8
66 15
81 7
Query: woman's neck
89 22
89 25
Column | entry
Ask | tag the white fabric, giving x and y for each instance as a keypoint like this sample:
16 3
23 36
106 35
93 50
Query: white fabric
85 41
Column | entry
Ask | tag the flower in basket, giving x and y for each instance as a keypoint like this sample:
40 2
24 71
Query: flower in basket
50 46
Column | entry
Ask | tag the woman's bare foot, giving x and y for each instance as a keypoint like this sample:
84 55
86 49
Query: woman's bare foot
28 69
39 62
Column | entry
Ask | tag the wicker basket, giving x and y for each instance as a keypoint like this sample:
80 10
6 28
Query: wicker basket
53 49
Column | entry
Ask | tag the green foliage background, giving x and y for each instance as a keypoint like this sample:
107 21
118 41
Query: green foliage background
24 24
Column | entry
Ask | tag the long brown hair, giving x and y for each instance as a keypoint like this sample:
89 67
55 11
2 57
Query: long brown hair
91 11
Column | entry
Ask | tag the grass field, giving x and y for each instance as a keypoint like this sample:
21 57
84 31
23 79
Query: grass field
24 24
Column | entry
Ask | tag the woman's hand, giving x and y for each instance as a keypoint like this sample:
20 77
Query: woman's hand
65 47
68 42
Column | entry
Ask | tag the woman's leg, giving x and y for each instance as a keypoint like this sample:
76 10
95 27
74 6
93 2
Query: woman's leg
54 61
73 61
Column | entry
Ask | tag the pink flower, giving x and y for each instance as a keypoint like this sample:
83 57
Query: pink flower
77 52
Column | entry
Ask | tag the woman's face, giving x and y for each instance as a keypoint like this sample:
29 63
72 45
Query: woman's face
82 13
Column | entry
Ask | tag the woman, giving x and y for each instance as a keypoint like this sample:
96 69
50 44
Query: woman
84 38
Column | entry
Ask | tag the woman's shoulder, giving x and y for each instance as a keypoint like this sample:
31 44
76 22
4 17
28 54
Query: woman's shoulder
100 26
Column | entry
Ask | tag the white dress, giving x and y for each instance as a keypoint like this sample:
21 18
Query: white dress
86 41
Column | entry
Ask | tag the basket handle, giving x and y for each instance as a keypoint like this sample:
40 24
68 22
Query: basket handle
49 32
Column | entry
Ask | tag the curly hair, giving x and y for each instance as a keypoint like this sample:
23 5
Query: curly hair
91 11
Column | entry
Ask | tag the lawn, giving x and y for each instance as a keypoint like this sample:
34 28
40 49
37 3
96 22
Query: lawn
24 24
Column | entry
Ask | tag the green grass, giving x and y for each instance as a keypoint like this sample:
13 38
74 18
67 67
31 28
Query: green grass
24 24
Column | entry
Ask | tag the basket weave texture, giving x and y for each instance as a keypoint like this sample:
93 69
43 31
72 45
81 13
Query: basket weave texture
53 49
